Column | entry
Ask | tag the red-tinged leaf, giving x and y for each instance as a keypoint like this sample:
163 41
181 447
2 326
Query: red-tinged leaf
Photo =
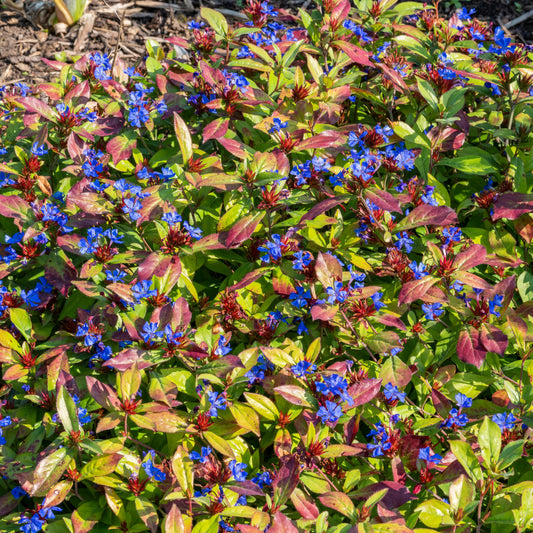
121 290
216 129
52 90
518 326
49 471
383 341
397 494
363 391
234 147
324 312
181 314
493 339
108 126
164 422
441 403
384 200
471 280
126 359
428 215
249 278
80 91
356 54
524 227
214 241
415 289
86 516
174 522
323 206
60 272
304 505
394 76
473 256
15 372
282 285
246 488
7 503
286 480
90 202
109 421
396 372
282 524
194 351
88 288
121 147
390 320
294 394
76 146
327 139
327 269
103 394
512 205
338 501
470 349
14 207
35 105
154 264
243 229
244 528
221 182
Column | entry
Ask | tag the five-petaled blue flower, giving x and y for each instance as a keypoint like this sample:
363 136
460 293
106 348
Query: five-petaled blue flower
392 393
216 402
301 297
152 471
426 455
432 310
505 421
331 412
238 470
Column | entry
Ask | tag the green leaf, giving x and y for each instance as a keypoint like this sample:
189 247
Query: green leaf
461 493
86 516
216 20
471 160
49 471
511 453
100 466
263 405
219 443
174 522
490 441
182 466
67 411
147 512
183 136
466 456
246 417
427 92
8 341
341 502
22 321
434 513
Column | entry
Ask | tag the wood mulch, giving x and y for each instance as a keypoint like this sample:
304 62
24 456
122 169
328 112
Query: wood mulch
22 45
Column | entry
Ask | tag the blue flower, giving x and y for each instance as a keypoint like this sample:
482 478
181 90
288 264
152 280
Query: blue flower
150 332
462 400
31 525
495 302
39 149
302 368
131 208
376 297
404 241
277 125
330 413
272 249
452 234
18 492
171 218
392 393
337 293
115 276
425 455
223 347
301 297
194 233
142 289
301 260
419 270
216 402
432 310
152 471
238 470
206 451
505 421
263 479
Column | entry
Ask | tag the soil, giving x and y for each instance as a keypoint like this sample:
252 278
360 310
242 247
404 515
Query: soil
22 45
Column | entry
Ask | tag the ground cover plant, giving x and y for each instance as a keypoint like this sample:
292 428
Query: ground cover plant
274 278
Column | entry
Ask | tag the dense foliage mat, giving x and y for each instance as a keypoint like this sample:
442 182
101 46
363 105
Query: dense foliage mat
276 277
